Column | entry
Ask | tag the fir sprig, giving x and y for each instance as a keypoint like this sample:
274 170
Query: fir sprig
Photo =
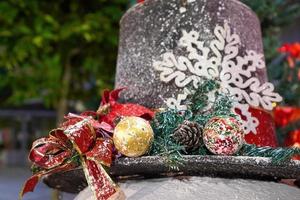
163 145
278 155
199 99
222 105
167 121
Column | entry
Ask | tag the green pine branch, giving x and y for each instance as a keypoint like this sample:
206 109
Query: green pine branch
278 155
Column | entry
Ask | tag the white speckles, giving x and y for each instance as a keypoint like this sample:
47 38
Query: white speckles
220 8
182 9
74 128
161 23
202 9
206 30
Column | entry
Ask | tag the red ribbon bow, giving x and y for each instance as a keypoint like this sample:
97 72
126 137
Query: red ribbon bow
76 138
87 140
110 109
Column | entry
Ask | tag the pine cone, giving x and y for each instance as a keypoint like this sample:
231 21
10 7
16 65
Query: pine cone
188 134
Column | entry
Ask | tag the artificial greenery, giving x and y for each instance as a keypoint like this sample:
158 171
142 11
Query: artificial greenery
199 100
278 155
163 145
201 109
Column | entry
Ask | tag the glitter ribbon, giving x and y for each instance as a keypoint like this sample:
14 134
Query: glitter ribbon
76 140
110 109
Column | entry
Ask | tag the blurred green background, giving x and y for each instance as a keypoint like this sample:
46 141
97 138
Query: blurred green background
58 56
57 53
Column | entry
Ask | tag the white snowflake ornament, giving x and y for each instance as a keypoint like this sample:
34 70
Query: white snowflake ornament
220 59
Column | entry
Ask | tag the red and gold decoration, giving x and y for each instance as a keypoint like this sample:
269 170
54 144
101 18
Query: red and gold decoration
92 140
133 136
76 138
110 109
86 140
223 135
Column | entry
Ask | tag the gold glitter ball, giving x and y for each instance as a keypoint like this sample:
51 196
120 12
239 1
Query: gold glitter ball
133 136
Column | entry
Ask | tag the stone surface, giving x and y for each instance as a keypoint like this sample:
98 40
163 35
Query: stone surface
203 188
154 27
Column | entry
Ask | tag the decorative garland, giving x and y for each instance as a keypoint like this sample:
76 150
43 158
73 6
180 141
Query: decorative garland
166 122
94 139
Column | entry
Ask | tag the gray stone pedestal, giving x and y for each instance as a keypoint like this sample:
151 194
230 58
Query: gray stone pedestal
203 188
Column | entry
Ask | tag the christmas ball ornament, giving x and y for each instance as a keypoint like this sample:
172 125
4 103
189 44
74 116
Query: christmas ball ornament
188 134
223 135
133 136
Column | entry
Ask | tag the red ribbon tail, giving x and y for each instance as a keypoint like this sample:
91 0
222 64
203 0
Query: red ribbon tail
99 181
33 180
30 185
